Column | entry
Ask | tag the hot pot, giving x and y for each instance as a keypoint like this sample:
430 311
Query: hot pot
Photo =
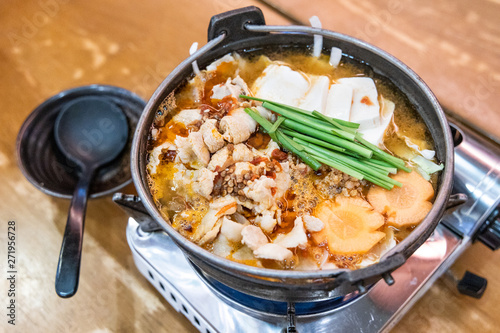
245 29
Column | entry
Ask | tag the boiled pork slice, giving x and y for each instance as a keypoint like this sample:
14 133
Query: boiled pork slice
204 184
218 208
273 252
253 237
154 156
312 224
212 234
260 191
232 87
192 149
188 117
231 230
184 152
296 237
266 221
237 126
211 136
199 148
242 153
222 159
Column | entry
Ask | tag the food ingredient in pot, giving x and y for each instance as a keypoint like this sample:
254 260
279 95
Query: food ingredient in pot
300 181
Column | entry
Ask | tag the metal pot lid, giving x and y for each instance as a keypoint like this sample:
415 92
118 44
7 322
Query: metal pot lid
44 165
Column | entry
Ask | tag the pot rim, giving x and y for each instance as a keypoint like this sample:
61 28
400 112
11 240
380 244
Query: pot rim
410 243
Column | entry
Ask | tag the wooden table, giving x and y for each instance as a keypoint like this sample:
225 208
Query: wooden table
52 45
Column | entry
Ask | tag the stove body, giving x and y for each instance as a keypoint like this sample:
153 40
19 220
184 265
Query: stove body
189 291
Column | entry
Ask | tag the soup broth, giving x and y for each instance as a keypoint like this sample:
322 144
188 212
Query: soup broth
225 184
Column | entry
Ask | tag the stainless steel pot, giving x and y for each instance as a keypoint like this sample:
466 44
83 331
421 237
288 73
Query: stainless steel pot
245 29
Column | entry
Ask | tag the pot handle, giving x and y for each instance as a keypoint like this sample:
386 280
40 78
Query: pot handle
132 205
456 200
232 24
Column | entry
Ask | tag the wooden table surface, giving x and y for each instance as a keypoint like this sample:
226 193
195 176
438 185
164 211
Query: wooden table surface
48 46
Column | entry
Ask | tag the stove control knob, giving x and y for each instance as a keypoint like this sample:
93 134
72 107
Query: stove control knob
489 234
472 285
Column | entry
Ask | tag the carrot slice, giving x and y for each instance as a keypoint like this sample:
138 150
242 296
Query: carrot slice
406 205
350 226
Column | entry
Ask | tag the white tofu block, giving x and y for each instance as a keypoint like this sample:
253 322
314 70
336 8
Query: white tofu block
375 135
281 84
315 98
365 108
339 101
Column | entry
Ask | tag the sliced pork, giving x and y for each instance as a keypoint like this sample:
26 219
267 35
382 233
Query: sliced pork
238 126
273 252
211 136
253 237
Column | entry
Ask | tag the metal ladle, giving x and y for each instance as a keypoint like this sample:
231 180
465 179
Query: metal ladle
90 132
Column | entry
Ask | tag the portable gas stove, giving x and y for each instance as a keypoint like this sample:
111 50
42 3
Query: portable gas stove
212 307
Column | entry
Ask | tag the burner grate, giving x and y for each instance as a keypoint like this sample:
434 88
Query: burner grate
236 298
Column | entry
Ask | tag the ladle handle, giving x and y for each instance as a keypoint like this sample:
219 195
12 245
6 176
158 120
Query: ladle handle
68 268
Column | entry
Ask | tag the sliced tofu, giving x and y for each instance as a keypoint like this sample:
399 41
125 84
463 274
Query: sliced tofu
281 84
315 98
365 108
339 101
375 135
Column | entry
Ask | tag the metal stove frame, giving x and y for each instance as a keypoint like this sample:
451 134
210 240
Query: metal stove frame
168 270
